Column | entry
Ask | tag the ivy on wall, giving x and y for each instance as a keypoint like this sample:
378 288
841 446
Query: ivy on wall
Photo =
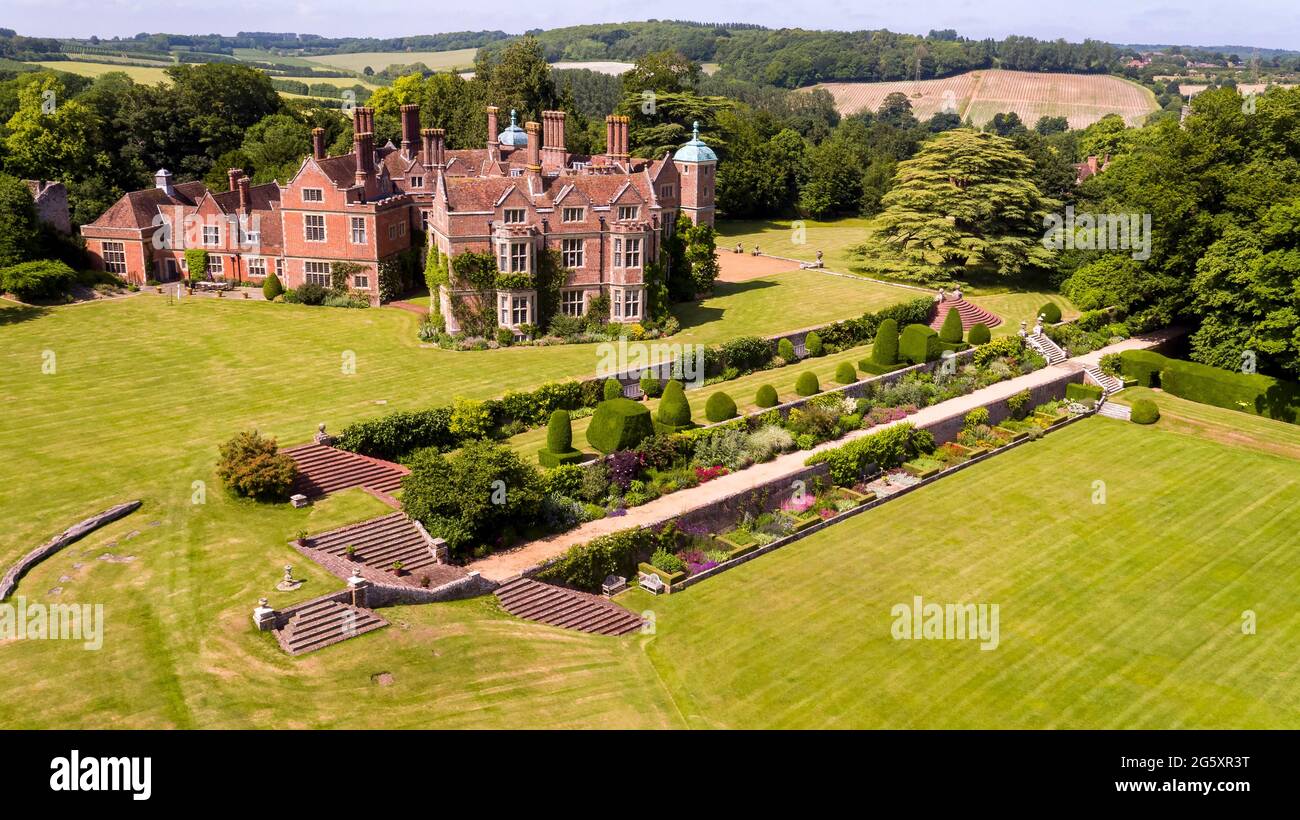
196 260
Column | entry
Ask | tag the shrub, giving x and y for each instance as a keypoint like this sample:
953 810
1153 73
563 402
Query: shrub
674 412
505 336
1110 364
1010 346
746 352
728 448
565 480
885 349
42 279
979 334
1083 392
595 482
785 349
393 436
619 424
845 374
807 384
768 441
766 396
1145 412
650 385
813 344
559 441
883 450
667 561
470 419
951 332
719 407
1018 404
975 418
918 343
1051 313
251 465
612 389
456 497
271 287
310 293
587 565
1144 366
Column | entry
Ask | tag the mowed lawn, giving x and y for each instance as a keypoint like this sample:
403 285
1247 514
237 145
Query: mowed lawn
144 391
1126 614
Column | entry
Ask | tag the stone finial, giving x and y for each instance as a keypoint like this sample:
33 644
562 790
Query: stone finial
321 436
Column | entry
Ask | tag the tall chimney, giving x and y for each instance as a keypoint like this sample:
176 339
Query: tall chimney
426 148
553 140
318 143
494 152
534 168
410 127
623 123
611 137
233 175
438 139
245 194
361 147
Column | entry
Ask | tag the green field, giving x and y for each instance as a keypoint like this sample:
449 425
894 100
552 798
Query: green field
461 58
146 75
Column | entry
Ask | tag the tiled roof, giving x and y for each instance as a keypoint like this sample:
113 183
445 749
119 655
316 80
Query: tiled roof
138 208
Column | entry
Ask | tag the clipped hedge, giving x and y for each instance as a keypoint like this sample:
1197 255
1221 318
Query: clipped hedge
845 374
919 343
1144 411
1083 392
785 349
586 566
674 413
396 434
951 331
1247 392
619 424
766 396
1143 366
807 384
719 407
813 344
979 334
885 350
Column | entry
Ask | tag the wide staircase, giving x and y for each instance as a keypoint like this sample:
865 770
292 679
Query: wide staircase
323 469
378 543
566 608
1049 349
971 314
323 623
1112 410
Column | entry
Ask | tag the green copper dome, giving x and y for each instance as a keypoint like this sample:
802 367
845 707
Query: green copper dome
514 135
695 150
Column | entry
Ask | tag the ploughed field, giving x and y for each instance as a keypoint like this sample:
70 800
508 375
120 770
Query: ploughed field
1081 98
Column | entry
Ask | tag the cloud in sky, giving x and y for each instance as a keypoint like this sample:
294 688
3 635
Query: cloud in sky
1265 23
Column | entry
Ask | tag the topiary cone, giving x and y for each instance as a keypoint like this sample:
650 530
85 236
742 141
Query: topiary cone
674 411
885 350
559 432
951 331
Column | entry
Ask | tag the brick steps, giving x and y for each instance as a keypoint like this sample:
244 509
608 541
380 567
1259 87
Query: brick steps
566 608
323 469
325 623
971 314
379 542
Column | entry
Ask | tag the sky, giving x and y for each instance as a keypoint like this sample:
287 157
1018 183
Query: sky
1263 23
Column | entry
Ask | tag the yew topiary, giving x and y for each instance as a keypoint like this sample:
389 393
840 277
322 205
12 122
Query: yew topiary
719 407
785 349
979 334
619 424
951 332
807 384
813 343
845 374
613 389
766 396
559 442
1051 313
885 350
271 287
674 412
1144 411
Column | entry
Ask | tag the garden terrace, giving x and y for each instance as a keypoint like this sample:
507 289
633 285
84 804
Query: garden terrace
970 313
323 469
377 544
318 624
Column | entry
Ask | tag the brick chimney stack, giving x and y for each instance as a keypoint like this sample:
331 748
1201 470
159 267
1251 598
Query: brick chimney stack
493 147
426 148
233 175
553 154
362 143
438 141
410 114
534 167
616 137
318 143
245 194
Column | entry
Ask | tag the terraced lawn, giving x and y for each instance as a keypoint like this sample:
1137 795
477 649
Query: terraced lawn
1125 614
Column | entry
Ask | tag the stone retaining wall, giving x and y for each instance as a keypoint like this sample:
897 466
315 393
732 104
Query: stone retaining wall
58 542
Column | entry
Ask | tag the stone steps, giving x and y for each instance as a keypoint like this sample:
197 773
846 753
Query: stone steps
1108 383
323 469
379 542
325 623
1048 348
566 608
1115 411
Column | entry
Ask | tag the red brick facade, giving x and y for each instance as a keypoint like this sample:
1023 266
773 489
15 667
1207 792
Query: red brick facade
520 194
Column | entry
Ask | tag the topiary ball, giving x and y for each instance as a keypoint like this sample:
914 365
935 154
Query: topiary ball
1051 313
1145 412
814 345
807 384
785 349
766 396
719 407
612 390
979 334
845 374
